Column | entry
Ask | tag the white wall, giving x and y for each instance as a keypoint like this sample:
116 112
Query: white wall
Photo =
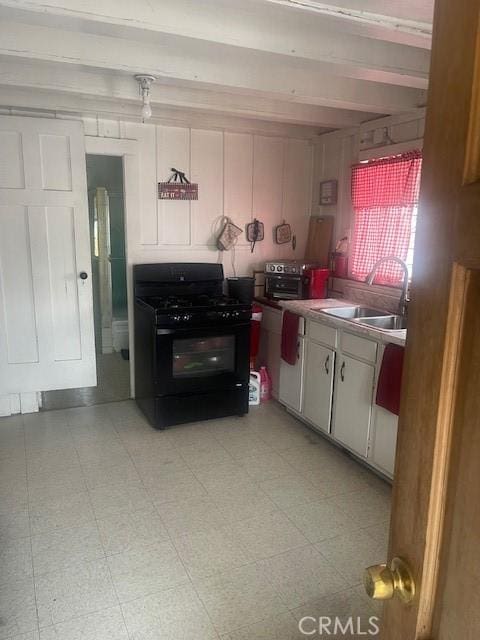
242 175
336 152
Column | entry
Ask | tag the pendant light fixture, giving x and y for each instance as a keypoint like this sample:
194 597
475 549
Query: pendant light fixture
144 84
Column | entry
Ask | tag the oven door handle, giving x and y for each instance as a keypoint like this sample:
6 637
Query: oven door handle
227 327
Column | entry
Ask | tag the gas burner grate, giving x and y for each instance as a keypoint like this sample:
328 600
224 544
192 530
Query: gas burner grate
201 301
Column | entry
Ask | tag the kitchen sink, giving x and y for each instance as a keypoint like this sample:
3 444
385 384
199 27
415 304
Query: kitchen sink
386 323
353 313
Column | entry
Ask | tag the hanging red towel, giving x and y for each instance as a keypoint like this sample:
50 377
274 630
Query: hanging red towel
390 378
290 337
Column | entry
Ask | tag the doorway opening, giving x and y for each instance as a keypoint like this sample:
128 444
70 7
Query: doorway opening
109 284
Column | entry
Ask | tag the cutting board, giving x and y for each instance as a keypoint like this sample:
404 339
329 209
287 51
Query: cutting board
319 240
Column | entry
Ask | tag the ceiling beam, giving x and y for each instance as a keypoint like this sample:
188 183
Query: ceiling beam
384 26
197 63
74 80
361 16
248 24
37 102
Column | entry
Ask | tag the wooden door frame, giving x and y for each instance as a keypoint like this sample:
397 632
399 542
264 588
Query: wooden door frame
128 151
446 253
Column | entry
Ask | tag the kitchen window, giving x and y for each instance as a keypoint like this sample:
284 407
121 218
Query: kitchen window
385 200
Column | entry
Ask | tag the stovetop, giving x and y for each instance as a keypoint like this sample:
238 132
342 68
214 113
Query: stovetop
197 303
196 310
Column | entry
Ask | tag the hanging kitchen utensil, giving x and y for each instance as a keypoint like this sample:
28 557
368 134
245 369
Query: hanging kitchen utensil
255 232
283 233
228 235
177 187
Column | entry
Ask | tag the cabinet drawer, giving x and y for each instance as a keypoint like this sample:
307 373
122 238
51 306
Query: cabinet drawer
322 333
359 347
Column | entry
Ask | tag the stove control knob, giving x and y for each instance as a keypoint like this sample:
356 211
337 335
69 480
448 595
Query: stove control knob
279 268
272 267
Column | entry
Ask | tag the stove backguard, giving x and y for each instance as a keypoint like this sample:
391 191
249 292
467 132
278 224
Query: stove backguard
178 279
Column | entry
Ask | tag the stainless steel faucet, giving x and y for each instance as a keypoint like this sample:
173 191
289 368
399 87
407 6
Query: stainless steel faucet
402 303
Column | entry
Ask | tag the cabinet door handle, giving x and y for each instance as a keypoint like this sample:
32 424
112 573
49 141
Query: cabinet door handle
342 372
327 361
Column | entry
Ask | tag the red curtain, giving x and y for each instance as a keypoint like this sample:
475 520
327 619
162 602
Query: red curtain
384 196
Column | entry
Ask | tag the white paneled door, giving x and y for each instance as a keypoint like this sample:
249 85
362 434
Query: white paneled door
46 313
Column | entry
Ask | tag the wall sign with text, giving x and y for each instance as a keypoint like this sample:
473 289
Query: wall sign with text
177 187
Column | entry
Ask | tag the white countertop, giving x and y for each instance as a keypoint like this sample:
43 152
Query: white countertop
310 309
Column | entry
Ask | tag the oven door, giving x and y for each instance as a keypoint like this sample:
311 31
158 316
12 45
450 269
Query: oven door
284 287
201 359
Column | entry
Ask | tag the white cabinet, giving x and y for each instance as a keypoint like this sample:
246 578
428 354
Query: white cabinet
332 386
384 441
291 379
318 385
353 403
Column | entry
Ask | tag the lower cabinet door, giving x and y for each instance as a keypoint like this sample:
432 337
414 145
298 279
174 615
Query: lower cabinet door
291 380
353 403
385 440
318 385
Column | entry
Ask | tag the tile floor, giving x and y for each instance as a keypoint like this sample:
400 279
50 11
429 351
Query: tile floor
233 529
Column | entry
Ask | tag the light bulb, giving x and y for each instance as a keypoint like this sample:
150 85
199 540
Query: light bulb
146 111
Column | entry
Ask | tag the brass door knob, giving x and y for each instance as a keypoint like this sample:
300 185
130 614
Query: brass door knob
383 582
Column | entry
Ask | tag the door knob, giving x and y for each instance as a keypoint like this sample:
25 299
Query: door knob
383 582
83 275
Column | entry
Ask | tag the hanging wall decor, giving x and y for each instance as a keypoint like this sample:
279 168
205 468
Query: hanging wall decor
283 233
177 187
255 233
228 235
328 192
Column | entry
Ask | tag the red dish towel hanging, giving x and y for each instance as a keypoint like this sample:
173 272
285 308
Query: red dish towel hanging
390 378
289 347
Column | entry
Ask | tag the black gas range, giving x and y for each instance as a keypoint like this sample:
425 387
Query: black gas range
191 344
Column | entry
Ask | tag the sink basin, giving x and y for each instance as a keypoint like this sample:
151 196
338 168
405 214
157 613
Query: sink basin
386 323
353 313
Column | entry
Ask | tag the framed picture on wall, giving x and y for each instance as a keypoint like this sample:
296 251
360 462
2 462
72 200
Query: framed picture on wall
328 192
